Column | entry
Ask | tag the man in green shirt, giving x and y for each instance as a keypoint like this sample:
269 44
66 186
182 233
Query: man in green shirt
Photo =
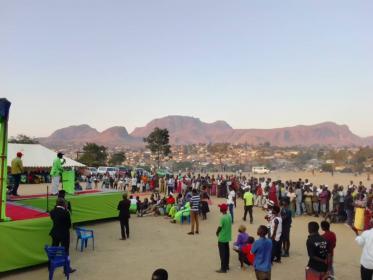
16 170
56 172
224 234
249 202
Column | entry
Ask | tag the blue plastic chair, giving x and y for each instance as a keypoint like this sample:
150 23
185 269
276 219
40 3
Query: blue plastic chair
84 235
57 257
185 216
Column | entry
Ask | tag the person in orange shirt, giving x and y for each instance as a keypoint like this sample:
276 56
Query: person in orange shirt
144 180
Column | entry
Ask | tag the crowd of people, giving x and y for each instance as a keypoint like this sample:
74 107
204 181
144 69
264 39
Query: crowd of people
188 196
337 203
175 196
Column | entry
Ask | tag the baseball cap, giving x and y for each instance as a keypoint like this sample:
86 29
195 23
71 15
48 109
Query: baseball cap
223 207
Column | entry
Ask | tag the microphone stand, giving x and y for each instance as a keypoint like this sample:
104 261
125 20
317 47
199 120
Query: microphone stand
47 198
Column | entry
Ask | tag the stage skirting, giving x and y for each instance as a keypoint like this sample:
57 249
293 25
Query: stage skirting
22 242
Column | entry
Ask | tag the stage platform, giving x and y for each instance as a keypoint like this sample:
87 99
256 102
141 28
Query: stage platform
22 197
22 242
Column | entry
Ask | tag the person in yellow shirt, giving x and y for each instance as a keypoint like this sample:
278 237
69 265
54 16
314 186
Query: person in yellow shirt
16 171
249 203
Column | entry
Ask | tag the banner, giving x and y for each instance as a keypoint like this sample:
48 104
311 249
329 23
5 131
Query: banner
4 115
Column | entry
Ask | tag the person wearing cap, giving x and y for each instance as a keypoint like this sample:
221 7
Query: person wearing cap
16 171
224 234
56 172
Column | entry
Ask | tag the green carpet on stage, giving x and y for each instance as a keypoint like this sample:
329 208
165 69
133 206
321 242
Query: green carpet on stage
85 208
22 242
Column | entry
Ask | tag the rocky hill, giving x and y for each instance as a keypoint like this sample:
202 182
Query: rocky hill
185 130
190 130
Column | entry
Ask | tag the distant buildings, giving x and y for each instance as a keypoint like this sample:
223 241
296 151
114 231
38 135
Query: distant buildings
246 156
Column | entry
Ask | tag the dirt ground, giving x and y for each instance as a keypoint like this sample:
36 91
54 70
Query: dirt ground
156 243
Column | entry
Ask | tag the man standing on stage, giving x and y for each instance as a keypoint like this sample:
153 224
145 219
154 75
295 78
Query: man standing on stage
56 172
16 170
60 232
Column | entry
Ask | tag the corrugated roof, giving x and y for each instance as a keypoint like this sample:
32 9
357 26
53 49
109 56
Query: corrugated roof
36 155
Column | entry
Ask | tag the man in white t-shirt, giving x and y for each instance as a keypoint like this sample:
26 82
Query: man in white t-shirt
366 261
230 201
351 186
276 231
133 200
170 185
133 184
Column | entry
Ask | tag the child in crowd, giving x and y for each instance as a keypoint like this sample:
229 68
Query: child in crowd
242 238
245 255
143 208
170 201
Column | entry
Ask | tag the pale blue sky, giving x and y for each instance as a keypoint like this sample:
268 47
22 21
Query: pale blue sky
255 64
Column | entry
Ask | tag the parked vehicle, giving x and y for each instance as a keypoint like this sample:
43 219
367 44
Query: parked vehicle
124 170
260 170
92 171
112 171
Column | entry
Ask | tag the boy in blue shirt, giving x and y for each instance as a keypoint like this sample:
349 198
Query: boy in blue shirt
262 249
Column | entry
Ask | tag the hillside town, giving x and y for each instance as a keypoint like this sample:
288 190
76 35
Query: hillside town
243 157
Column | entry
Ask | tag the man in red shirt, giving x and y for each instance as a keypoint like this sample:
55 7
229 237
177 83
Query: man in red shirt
332 241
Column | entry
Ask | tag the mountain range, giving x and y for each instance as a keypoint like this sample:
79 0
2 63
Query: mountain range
190 130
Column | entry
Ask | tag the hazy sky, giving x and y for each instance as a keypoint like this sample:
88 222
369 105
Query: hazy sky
255 64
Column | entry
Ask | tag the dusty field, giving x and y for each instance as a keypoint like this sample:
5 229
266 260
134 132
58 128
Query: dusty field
155 242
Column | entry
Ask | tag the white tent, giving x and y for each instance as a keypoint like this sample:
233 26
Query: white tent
36 156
